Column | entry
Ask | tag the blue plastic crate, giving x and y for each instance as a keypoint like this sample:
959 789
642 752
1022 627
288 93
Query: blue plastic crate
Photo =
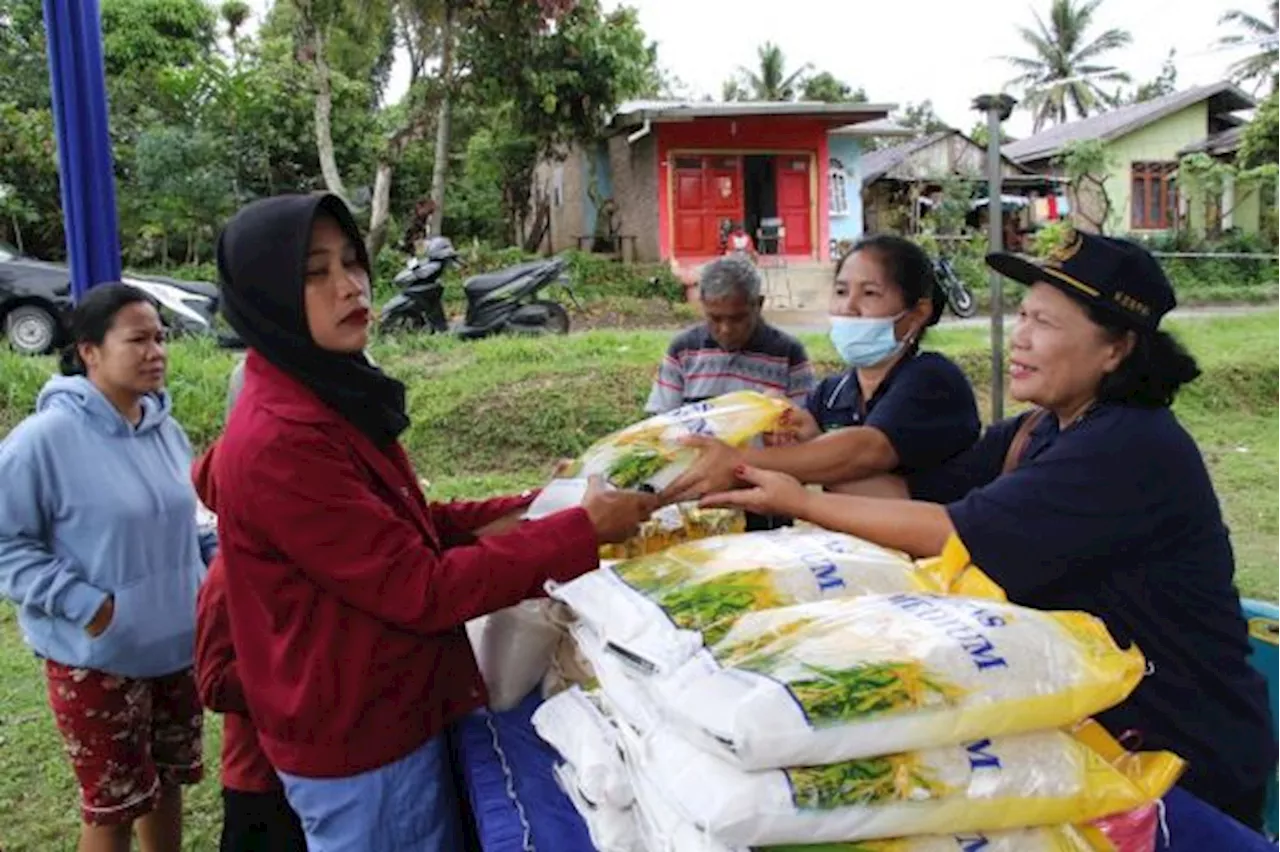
1262 617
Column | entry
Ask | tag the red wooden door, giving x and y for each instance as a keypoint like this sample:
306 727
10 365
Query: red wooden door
793 204
707 190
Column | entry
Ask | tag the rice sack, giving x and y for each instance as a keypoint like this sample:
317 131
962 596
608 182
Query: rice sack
1057 839
676 524
657 611
665 828
1026 780
648 455
860 677
574 726
513 648
611 829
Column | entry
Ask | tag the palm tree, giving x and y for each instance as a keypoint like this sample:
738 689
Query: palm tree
1065 68
1261 66
770 82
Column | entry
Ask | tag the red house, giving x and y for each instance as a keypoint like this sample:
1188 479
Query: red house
668 174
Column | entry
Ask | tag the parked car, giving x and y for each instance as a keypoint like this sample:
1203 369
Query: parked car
35 302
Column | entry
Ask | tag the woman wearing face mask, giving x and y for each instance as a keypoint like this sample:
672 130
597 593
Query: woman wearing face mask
897 410
100 552
1097 500
346 591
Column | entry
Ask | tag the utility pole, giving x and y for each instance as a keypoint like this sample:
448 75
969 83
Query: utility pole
997 108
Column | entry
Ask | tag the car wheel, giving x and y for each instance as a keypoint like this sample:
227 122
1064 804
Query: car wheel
31 330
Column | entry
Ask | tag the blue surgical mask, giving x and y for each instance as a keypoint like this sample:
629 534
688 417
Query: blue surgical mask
865 341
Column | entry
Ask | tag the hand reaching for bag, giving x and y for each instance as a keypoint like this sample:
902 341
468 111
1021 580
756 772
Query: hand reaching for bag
711 471
616 515
767 492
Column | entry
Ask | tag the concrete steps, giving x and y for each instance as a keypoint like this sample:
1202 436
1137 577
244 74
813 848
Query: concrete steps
803 286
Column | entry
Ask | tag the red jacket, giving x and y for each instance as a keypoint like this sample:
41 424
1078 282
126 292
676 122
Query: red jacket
244 765
347 591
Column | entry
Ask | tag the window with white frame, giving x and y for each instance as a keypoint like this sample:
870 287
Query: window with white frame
838 188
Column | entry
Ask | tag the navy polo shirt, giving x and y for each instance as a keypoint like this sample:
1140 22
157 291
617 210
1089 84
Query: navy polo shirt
1116 516
925 407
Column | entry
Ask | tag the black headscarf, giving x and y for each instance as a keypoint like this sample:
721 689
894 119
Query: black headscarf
262 257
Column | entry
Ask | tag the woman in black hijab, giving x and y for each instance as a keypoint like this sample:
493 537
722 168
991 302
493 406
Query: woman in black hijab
347 592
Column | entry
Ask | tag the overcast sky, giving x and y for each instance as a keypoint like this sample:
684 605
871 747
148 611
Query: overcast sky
904 51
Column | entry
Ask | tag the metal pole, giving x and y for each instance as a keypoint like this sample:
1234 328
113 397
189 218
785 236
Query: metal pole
997 108
85 176
995 236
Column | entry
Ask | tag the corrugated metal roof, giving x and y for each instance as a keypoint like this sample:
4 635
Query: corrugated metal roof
1119 122
884 127
631 112
876 164
1223 142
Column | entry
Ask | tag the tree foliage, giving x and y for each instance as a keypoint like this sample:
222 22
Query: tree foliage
1087 164
1165 83
556 85
921 118
208 112
1260 144
1204 179
1259 68
1066 69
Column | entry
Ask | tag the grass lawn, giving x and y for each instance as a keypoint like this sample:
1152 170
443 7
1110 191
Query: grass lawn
492 416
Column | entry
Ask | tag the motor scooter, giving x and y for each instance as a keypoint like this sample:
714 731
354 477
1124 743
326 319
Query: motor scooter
506 301
419 304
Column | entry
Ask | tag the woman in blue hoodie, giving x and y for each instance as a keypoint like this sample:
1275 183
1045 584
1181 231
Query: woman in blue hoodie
100 552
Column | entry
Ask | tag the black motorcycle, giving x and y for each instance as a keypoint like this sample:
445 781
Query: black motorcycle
958 295
505 301
419 304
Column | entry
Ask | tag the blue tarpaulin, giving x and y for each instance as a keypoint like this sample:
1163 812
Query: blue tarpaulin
78 82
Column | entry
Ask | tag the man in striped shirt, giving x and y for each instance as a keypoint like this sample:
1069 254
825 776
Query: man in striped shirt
734 349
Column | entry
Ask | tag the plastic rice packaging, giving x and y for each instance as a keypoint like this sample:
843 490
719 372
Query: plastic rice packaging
860 677
1055 839
513 648
657 611
676 524
665 828
611 829
1042 778
574 726
648 455
1132 831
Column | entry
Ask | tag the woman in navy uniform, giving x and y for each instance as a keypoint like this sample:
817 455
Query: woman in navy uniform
1096 500
896 410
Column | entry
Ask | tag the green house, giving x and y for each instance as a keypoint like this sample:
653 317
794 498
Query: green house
1145 142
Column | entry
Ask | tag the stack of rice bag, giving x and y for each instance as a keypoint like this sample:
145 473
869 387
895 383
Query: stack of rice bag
771 690
521 646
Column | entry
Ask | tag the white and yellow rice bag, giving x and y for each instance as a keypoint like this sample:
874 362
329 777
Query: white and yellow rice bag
664 828
659 610
611 829
676 524
859 677
1063 838
648 455
574 726
1026 780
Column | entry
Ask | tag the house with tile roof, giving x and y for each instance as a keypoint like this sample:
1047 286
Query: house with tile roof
1144 143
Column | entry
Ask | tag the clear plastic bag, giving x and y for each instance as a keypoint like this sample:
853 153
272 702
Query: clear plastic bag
513 647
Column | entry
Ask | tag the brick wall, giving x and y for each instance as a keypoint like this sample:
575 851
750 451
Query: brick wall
634 170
